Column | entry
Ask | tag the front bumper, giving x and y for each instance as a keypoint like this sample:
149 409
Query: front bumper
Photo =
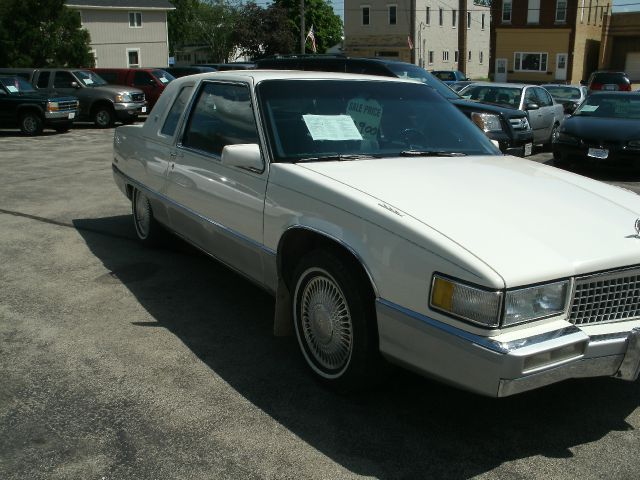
490 367
578 154
512 143
62 116
131 110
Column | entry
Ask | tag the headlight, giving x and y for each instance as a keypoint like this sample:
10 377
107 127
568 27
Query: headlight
532 303
487 121
484 307
123 98
521 123
634 144
52 106
467 302
566 138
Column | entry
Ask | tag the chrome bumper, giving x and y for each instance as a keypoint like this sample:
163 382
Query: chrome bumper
61 115
499 369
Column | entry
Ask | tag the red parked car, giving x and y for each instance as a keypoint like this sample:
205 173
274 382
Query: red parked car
152 81
609 81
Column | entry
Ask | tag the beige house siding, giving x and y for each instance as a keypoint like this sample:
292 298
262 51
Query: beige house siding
112 37
621 39
549 41
587 44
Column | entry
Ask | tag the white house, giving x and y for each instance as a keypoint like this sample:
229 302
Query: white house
126 33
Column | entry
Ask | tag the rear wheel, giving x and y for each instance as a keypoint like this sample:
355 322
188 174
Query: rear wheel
555 131
148 230
31 123
334 319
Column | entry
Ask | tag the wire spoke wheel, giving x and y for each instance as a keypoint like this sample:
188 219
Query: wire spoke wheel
141 214
326 323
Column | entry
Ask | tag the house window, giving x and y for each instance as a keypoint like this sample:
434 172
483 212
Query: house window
392 14
456 55
430 57
454 18
468 19
530 62
441 16
481 57
506 11
445 56
582 12
427 19
589 17
135 19
469 57
482 23
133 57
533 11
366 12
561 11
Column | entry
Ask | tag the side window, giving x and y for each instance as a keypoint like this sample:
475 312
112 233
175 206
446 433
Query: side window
171 122
221 115
43 79
142 79
109 77
530 97
544 99
63 80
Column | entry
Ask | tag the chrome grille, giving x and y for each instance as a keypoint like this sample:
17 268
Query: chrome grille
67 105
606 297
137 97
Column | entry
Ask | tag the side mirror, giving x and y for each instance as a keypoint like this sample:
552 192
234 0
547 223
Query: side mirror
75 85
583 83
532 106
243 155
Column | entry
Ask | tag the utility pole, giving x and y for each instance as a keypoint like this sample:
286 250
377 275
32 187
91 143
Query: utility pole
462 37
303 38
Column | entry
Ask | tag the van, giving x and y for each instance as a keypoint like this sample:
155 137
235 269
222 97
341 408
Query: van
152 81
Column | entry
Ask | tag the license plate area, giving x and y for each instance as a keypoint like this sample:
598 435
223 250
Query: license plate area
528 149
72 115
599 153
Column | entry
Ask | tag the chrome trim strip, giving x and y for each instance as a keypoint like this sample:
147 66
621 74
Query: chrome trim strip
486 342
166 199
339 241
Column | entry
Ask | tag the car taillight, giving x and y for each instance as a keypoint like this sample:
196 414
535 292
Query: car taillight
595 86
625 88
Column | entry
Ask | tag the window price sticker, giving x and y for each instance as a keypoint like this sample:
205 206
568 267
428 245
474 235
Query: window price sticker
331 127
367 115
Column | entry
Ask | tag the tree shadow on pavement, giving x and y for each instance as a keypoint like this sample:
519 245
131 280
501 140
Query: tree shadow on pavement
409 428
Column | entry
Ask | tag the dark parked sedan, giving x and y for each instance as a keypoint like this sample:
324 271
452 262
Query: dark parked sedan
605 129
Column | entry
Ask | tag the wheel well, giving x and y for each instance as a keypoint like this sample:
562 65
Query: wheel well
297 242
29 109
130 189
101 103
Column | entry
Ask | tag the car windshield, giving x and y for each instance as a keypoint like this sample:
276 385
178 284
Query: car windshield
609 106
506 96
609 77
16 85
413 72
164 77
444 75
560 93
89 79
315 120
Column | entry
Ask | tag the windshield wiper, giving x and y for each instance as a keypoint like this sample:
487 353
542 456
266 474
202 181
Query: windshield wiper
338 158
431 153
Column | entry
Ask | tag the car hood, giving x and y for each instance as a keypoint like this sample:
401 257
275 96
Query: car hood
528 221
602 129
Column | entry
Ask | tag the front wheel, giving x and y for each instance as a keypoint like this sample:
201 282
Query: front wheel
148 230
334 319
103 116
31 124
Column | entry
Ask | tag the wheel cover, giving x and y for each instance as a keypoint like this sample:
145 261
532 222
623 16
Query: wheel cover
555 133
30 124
142 214
326 324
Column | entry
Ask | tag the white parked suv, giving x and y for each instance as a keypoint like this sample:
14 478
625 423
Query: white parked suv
387 226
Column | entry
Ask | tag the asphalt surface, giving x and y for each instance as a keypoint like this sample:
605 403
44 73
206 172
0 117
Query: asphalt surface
120 362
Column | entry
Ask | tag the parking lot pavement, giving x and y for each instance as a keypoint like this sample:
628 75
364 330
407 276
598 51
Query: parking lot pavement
119 362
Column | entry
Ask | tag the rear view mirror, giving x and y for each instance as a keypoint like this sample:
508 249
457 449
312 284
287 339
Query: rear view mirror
243 155
75 85
532 106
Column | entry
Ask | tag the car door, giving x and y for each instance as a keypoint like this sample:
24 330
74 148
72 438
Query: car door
536 116
64 83
145 82
219 207
548 110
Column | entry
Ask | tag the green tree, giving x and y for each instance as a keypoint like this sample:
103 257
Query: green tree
42 33
180 23
263 31
319 13
213 25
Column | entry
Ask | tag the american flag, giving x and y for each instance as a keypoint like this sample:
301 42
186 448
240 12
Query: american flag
311 35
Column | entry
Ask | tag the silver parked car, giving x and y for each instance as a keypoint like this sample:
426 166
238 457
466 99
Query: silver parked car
545 115
570 96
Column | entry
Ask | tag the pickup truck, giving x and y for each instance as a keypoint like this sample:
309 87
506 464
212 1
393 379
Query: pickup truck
22 106
100 103
152 81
